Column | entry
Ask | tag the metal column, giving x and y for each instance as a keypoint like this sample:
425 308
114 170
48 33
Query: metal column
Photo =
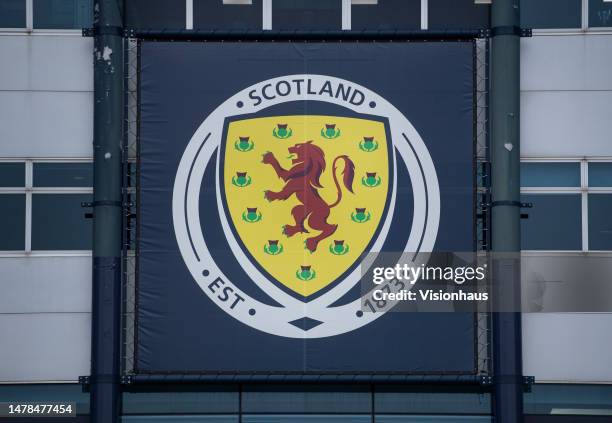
107 142
505 231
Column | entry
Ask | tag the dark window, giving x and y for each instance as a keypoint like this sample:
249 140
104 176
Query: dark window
457 14
576 400
62 14
155 14
308 418
600 13
219 401
600 221
387 15
550 174
307 15
315 400
12 13
600 174
554 222
542 14
12 175
12 224
390 401
59 223
217 15
63 174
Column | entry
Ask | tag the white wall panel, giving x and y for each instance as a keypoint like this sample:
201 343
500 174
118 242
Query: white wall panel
567 347
46 124
566 123
44 347
46 63
566 62
44 284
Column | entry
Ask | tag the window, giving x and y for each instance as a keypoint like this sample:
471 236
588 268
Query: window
306 15
306 403
545 14
462 14
12 13
41 205
572 205
554 222
600 13
386 15
46 14
12 175
155 13
12 224
600 205
227 16
62 14
571 400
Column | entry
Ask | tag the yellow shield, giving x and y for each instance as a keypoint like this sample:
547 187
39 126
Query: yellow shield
306 195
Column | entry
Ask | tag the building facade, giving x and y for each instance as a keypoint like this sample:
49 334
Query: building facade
46 130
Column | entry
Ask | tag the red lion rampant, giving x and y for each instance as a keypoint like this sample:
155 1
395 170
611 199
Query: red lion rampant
303 180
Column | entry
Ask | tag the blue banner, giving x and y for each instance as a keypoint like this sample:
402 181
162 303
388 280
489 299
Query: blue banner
268 173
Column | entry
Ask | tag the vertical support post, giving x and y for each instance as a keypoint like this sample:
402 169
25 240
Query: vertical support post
505 190
107 211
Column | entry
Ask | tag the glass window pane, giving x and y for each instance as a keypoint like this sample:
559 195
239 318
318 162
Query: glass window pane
550 174
63 14
547 399
12 13
213 402
600 221
431 403
600 174
457 14
387 15
600 13
63 174
311 418
59 223
542 14
432 419
315 400
12 174
12 224
180 419
216 15
554 222
306 14
155 14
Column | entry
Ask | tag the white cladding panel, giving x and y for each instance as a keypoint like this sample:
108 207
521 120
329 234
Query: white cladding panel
44 285
46 96
566 97
46 63
566 62
567 347
46 124
44 347
566 123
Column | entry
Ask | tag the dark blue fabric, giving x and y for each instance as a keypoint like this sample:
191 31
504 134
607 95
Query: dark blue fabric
179 328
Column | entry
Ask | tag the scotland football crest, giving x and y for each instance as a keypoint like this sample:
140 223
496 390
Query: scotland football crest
302 199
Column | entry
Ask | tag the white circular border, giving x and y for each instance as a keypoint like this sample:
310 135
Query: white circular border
275 320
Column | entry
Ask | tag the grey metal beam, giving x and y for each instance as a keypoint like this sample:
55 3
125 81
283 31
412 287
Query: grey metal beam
107 214
505 220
